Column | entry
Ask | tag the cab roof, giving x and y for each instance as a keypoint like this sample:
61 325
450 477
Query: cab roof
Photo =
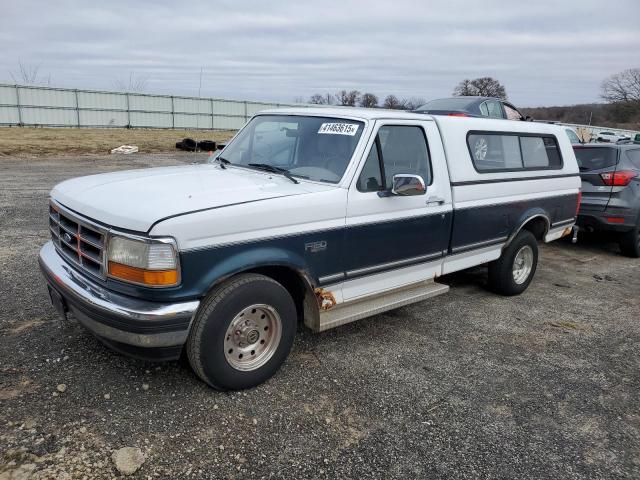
353 112
470 123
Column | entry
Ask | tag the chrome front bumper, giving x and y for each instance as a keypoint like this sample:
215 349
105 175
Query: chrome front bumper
113 317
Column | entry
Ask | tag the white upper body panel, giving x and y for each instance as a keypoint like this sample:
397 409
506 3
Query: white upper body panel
454 132
186 201
136 199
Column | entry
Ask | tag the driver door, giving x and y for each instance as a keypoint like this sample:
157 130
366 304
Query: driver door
394 240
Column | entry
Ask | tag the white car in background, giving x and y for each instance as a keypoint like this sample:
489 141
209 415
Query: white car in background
610 137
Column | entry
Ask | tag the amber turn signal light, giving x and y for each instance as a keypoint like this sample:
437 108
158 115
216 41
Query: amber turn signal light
153 278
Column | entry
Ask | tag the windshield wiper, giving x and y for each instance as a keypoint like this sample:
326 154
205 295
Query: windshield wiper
273 169
223 162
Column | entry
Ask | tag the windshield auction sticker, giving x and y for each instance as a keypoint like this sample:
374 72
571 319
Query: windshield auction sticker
339 128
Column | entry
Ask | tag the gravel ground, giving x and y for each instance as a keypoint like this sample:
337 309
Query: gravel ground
465 385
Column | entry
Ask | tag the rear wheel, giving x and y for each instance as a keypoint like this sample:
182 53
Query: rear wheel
630 242
242 333
512 273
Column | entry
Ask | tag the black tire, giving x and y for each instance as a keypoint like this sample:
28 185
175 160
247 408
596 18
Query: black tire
205 343
501 276
630 242
206 145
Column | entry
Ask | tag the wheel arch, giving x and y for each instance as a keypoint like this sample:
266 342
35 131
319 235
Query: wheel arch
284 267
536 221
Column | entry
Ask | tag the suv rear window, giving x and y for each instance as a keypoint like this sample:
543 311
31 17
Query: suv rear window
595 158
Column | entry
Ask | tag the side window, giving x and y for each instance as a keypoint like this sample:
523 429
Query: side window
495 152
495 109
512 113
404 150
534 153
634 156
370 179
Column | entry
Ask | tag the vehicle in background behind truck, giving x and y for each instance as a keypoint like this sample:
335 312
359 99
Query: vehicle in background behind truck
611 137
323 215
611 192
488 107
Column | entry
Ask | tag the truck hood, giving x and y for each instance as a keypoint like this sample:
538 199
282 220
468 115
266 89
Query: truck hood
136 199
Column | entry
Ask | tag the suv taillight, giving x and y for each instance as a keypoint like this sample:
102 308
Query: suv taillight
618 179
579 201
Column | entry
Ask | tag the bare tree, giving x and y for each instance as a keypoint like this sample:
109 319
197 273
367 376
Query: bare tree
481 87
622 87
464 89
348 98
392 102
134 83
412 103
368 100
29 75
321 99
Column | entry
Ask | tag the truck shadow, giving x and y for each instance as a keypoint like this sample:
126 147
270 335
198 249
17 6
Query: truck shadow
595 242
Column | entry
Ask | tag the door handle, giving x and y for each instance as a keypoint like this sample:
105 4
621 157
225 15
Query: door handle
433 200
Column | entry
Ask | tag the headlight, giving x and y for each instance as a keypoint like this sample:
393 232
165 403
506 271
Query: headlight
150 262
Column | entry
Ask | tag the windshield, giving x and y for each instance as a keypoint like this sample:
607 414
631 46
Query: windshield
447 104
314 148
595 158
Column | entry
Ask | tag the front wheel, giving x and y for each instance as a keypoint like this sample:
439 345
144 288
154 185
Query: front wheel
242 333
512 273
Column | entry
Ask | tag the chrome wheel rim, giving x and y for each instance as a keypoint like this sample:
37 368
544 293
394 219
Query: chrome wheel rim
522 264
252 337
481 149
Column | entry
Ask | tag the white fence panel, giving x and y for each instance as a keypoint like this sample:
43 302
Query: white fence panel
47 98
8 95
253 108
145 103
103 118
49 116
102 101
9 116
228 123
229 108
191 105
45 106
182 120
150 120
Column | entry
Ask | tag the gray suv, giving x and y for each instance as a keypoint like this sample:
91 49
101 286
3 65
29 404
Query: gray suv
611 192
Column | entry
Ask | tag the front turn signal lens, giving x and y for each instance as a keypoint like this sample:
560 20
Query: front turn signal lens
152 278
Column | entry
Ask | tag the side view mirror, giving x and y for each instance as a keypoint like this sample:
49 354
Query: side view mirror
405 185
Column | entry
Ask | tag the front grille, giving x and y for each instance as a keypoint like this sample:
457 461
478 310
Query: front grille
78 240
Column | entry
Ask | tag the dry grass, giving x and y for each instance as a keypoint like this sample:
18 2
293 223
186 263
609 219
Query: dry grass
27 141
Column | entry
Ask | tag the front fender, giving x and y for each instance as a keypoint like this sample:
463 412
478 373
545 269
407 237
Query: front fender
203 269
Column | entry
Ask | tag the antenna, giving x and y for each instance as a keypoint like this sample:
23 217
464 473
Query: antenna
195 150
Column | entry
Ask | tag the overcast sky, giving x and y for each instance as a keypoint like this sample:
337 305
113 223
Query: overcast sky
544 52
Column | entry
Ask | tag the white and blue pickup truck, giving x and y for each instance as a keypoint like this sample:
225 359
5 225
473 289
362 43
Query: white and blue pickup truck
318 216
